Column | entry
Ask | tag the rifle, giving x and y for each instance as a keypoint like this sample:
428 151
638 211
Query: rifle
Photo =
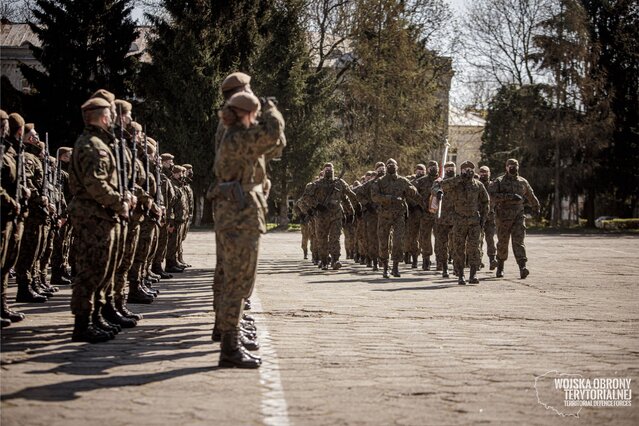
57 179
21 178
439 208
134 163
124 169
47 168
146 160
330 194
159 197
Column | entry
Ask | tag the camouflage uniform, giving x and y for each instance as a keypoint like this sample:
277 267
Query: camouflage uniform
488 232
180 216
62 241
413 222
443 229
168 193
190 210
424 186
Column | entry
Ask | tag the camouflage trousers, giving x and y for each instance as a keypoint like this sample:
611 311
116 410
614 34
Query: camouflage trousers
95 250
218 276
394 220
372 242
466 245
443 230
45 259
240 254
142 251
426 228
185 231
152 250
360 236
61 246
160 253
349 238
11 241
128 254
312 237
411 236
304 227
173 244
488 234
328 229
32 247
515 229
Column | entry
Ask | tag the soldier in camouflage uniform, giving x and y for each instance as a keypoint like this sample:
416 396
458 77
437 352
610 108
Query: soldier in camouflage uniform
509 193
94 211
424 186
488 232
62 242
350 226
176 224
188 192
371 219
444 224
470 206
241 212
168 193
391 193
415 214
303 228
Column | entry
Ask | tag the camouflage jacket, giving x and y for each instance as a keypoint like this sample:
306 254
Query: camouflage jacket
509 194
448 209
424 186
327 196
392 192
469 199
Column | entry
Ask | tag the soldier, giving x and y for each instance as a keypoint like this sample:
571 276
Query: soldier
444 224
177 222
424 186
303 227
62 242
488 232
188 191
509 193
241 212
470 208
415 214
360 232
349 226
94 211
371 218
390 193
168 193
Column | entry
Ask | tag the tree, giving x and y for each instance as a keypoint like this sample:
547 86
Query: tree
84 47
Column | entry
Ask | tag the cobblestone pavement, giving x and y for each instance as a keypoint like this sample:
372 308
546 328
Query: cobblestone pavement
344 347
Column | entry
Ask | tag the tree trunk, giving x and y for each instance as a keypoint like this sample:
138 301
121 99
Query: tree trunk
556 217
589 207
283 203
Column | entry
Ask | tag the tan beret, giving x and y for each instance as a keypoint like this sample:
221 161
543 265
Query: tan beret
484 169
467 165
328 165
166 156
187 166
104 94
151 141
379 164
95 103
450 164
433 163
64 150
15 122
391 160
137 126
235 80
178 169
420 167
512 161
28 127
244 101
3 115
122 105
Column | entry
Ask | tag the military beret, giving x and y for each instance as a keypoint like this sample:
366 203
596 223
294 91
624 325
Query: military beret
328 165
379 164
166 156
370 172
512 161
104 94
356 183
64 149
3 115
433 163
244 101
150 149
178 169
151 141
95 103
484 169
187 166
420 167
391 160
15 122
137 126
467 165
122 105
28 127
237 79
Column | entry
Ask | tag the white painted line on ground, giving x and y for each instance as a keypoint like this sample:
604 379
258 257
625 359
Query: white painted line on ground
274 407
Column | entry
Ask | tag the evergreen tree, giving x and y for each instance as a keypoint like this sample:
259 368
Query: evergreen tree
84 47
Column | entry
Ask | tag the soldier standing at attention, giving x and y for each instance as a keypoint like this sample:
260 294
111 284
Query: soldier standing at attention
509 192
415 214
241 212
489 227
470 208
444 224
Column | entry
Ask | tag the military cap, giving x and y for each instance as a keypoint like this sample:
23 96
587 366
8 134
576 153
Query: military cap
178 169
122 105
137 126
65 149
420 167
151 141
328 165
187 166
356 183
104 94
235 80
467 165
3 115
28 127
15 122
433 163
379 164
512 161
391 160
484 169
244 101
166 156
449 164
95 103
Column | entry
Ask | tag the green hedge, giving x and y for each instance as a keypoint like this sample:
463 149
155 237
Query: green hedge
632 223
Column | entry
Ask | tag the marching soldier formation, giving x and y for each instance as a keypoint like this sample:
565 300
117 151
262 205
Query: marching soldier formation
394 218
103 215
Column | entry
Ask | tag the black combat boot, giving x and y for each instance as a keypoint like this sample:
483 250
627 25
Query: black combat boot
45 284
473 275
137 296
395 271
500 269
247 304
174 269
523 271
8 313
369 262
233 355
407 259
493 262
4 322
362 260
375 265
83 332
426 263
26 294
99 323
154 279
113 316
325 264
249 343
445 270
336 264
460 277
315 259
414 264
305 254
124 310
247 325
385 273
58 277
146 286
37 286
157 269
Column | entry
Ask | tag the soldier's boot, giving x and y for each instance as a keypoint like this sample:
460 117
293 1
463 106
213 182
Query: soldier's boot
114 316
445 270
84 332
233 355
153 275
10 314
500 269
247 325
36 285
395 271
58 277
4 322
375 267
523 271
248 318
152 278
247 305
356 258
439 265
315 258
305 254
157 269
146 286
460 277
249 343
362 260
26 294
493 262
415 257
120 305
99 322
174 269
336 264
137 296
45 284
426 263
325 264
473 275
407 258
385 273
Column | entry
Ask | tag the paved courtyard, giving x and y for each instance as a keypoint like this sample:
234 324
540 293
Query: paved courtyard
347 347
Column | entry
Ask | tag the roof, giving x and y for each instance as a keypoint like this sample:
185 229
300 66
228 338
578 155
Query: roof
457 117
